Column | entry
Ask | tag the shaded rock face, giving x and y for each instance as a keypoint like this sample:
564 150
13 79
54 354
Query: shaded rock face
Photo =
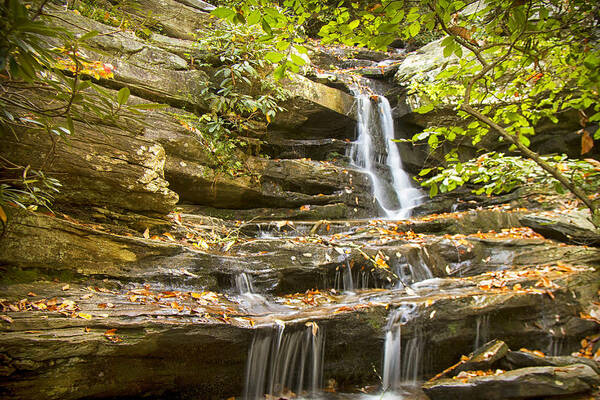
318 124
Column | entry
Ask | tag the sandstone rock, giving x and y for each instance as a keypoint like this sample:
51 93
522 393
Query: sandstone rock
184 23
119 44
572 228
100 165
517 384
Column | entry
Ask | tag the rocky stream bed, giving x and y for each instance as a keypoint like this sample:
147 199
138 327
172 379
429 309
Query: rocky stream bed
156 275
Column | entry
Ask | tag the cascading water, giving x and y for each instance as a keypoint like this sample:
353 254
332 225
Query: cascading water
401 366
396 196
243 283
282 362
343 278
411 272
482 329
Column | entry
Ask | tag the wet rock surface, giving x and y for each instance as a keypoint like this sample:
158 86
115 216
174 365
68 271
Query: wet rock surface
118 298
527 375
166 296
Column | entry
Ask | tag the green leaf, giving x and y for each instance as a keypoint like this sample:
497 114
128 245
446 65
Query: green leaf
266 27
414 28
433 190
279 72
223 12
353 25
274 57
254 17
70 124
123 95
424 109
297 60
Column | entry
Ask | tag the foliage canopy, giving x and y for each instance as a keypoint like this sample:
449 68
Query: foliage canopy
517 63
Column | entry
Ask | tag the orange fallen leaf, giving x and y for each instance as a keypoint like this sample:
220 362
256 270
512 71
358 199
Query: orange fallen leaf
110 332
169 236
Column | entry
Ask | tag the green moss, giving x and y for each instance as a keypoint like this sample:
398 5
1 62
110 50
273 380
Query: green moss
13 275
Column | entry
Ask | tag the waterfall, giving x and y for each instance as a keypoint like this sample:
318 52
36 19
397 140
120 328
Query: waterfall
282 362
395 196
411 272
243 283
401 366
482 329
343 278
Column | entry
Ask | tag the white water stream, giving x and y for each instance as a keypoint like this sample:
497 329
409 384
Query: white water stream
396 196
401 367
282 362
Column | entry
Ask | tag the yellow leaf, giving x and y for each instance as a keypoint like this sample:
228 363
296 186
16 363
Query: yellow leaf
147 233
84 316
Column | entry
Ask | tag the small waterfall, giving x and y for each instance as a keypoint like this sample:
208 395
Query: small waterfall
411 272
482 329
282 362
243 283
401 366
343 278
395 196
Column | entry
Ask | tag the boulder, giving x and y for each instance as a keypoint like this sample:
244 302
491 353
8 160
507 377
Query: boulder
517 384
319 94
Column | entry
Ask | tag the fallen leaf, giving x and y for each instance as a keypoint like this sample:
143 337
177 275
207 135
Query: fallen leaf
66 287
6 318
31 294
87 330
147 233
586 142
314 326
110 332
84 316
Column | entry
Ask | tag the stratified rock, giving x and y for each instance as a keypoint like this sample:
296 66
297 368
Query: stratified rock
175 18
281 184
516 384
98 166
119 44
573 228
520 359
